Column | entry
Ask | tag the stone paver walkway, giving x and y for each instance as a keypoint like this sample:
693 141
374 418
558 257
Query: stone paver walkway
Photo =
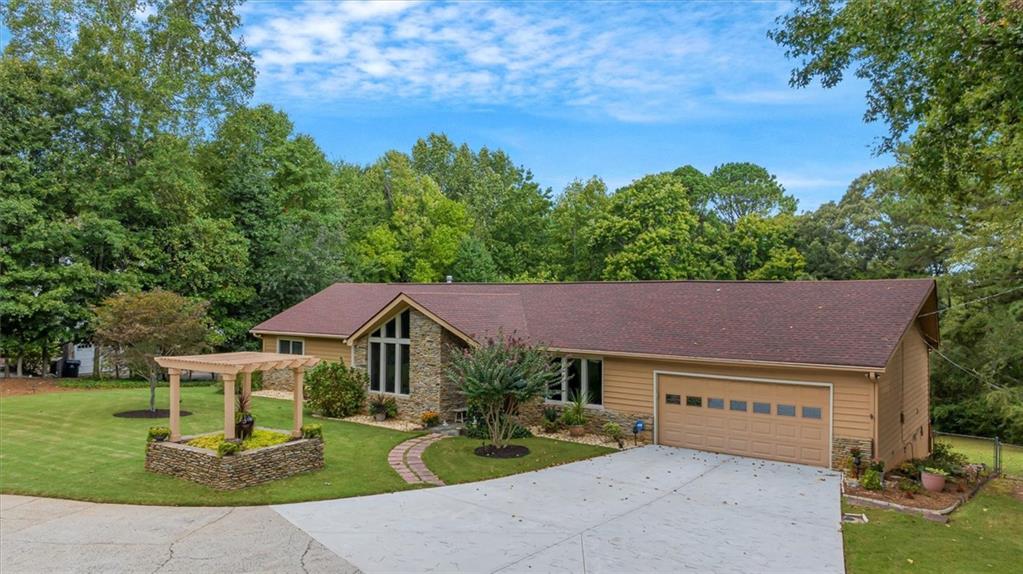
407 460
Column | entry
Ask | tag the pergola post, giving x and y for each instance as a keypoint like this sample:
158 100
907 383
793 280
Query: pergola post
298 383
247 384
228 405
174 377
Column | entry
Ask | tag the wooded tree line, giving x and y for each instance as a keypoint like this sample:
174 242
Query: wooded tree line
132 159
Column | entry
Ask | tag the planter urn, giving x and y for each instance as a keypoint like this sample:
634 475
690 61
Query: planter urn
932 482
576 430
380 416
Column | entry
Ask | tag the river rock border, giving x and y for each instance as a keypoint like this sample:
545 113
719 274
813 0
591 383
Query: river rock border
246 468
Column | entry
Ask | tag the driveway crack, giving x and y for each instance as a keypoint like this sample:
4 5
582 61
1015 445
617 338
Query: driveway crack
170 549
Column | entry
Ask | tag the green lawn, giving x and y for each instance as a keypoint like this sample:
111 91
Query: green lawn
454 462
985 535
109 383
983 451
69 445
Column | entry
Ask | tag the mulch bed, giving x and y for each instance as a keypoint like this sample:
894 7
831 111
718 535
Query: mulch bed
925 500
148 414
510 451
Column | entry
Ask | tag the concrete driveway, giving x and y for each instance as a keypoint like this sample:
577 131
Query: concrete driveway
651 509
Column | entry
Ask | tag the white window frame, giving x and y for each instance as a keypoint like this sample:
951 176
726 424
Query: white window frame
397 341
291 343
565 399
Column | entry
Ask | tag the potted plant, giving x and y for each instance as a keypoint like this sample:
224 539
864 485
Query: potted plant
933 479
383 408
243 420
574 415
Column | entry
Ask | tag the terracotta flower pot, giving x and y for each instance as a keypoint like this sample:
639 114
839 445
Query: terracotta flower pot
932 482
576 430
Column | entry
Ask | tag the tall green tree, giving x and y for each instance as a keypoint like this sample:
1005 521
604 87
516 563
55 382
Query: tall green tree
572 223
647 232
738 190
508 209
947 80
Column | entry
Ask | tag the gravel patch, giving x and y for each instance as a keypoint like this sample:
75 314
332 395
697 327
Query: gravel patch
591 439
271 394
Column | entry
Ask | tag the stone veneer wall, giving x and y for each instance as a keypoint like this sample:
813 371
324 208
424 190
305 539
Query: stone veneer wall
532 414
430 347
247 468
279 380
840 450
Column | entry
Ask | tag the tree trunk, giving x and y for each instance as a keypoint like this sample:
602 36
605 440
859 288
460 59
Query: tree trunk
21 361
97 367
46 357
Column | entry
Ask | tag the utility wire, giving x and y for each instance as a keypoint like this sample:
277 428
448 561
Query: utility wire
1014 289
968 370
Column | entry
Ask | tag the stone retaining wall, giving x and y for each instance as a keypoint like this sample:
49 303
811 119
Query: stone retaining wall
247 468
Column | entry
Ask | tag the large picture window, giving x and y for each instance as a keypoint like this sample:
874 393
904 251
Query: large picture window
290 347
389 356
578 375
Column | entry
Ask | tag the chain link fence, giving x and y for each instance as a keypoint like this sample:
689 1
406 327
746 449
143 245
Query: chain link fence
1003 458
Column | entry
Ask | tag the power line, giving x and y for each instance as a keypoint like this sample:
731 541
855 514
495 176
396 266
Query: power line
968 370
1014 289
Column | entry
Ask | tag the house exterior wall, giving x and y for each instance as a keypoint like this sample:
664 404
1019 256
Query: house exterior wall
430 347
326 349
628 388
903 402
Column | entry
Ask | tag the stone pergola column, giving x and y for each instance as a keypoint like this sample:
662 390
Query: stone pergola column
174 378
228 405
299 374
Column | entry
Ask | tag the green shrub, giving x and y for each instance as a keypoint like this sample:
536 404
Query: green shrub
430 419
312 431
877 465
937 471
550 414
157 433
872 480
574 414
910 486
335 390
227 448
613 431
383 404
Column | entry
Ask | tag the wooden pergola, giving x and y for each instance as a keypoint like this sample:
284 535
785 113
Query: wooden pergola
228 366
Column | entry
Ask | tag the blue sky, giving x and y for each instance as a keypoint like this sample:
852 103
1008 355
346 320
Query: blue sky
568 90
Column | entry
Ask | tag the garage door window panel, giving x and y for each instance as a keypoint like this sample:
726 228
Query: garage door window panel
811 412
715 403
787 410
762 408
692 401
734 405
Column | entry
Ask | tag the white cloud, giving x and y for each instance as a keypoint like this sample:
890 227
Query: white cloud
632 62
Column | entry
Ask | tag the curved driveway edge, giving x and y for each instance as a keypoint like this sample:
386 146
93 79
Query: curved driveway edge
52 535
649 509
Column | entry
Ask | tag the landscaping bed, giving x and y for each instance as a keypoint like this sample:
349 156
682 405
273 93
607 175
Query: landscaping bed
984 535
588 438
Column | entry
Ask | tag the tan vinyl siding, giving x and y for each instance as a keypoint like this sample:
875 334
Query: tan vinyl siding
326 349
904 390
628 386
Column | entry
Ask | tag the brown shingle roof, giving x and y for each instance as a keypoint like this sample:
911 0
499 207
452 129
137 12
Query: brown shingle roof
842 323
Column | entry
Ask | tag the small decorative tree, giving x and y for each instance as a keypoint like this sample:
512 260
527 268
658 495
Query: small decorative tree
151 324
498 377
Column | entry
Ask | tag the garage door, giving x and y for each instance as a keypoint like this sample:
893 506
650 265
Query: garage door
763 420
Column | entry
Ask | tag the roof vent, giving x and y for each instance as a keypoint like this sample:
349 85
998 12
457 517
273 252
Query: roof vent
449 279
